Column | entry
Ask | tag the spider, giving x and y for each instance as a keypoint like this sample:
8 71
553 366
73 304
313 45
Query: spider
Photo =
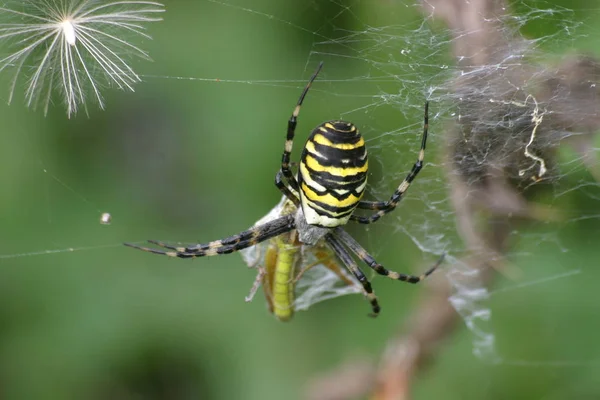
323 196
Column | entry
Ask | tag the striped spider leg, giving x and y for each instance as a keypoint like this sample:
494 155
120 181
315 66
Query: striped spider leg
384 207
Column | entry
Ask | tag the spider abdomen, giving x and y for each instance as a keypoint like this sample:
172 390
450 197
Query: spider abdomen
332 174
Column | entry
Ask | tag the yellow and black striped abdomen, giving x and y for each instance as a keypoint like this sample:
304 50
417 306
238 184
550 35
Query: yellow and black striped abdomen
332 174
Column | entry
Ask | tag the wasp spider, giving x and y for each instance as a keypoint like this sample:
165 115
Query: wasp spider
322 197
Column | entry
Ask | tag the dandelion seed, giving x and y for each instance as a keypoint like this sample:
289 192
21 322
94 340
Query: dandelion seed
69 31
75 46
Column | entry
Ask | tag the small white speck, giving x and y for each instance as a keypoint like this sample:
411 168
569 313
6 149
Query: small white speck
105 219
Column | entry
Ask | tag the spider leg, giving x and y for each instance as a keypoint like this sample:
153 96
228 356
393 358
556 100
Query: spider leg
361 253
229 245
291 129
346 258
384 207
202 253
254 232
285 189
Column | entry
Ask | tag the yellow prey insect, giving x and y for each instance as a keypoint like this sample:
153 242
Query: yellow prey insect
324 194
294 276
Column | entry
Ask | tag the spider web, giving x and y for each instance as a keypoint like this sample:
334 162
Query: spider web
381 64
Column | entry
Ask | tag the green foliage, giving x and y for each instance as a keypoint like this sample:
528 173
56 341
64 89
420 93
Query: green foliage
187 160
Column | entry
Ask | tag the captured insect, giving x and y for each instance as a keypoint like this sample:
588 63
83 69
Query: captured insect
320 198
293 275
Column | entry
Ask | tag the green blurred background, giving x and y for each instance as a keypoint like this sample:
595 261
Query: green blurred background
194 160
